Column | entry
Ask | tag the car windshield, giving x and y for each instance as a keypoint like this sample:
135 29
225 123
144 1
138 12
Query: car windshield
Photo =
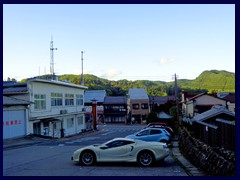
143 133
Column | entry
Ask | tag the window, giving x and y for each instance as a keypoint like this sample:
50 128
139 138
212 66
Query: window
69 99
118 143
155 131
135 106
80 120
39 101
79 99
70 123
143 133
56 99
144 106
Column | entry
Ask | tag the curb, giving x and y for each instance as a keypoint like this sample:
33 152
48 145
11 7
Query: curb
188 167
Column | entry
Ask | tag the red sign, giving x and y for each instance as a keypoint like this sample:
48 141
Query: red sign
12 122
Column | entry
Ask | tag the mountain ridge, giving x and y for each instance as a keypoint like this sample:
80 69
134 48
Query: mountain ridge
209 81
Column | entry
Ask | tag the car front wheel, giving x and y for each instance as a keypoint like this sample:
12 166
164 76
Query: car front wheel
145 158
87 158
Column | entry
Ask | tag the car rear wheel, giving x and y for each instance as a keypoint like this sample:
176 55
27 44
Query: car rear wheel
145 158
87 158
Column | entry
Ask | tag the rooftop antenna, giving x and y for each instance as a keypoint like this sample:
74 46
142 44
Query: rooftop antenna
52 58
82 77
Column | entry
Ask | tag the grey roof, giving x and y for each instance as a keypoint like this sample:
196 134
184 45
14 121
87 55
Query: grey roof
14 90
225 121
163 115
99 95
214 111
56 82
7 101
138 93
115 100
161 99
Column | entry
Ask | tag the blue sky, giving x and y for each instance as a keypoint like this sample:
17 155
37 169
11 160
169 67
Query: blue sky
132 41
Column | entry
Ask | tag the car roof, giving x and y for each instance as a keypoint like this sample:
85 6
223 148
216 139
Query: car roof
122 139
159 123
154 128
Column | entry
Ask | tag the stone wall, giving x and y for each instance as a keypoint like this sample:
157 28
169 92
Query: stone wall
213 161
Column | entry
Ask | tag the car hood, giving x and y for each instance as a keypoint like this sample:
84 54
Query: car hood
130 136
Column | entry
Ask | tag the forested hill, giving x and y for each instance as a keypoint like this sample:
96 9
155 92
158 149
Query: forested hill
213 81
207 81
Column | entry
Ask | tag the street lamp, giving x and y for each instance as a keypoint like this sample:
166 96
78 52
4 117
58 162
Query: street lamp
94 113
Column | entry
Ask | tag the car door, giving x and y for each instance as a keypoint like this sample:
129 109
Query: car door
118 151
143 135
156 135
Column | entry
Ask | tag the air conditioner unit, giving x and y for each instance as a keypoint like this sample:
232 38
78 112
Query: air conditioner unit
64 111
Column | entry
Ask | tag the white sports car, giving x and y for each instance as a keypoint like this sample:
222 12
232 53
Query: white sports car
122 150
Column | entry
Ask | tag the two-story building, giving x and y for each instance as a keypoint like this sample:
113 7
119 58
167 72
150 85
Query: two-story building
57 109
138 102
115 109
199 104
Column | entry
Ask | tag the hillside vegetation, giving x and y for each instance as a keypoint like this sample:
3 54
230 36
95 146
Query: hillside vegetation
207 81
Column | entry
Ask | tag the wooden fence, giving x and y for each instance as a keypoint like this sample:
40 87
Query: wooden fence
220 134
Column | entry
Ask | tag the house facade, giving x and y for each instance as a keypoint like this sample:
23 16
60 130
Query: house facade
57 109
115 109
138 102
199 104
230 99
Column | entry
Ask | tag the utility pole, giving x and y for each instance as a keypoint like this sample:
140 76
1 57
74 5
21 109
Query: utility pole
176 98
52 58
82 77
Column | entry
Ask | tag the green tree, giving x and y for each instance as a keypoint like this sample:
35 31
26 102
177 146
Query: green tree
152 117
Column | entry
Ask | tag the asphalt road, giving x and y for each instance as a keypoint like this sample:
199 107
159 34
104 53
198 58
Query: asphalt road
53 158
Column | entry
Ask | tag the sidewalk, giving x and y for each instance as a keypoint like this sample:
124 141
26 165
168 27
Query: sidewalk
190 169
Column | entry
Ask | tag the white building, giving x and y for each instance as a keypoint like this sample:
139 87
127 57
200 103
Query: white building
57 109
15 117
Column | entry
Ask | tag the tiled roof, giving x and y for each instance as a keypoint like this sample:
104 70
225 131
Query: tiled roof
230 97
161 99
99 95
138 93
7 101
14 90
115 100
196 96
214 111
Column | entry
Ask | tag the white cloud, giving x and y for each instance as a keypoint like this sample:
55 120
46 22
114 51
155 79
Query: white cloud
111 73
164 61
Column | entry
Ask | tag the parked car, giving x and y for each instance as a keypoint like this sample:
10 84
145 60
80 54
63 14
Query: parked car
160 125
152 134
121 150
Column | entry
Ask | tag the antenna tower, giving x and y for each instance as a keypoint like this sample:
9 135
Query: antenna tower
52 58
82 77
